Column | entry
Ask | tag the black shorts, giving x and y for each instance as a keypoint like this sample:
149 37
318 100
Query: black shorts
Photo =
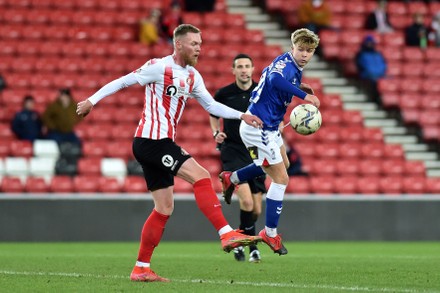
236 156
160 160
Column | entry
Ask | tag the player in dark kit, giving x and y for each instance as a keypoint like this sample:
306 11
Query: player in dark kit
234 154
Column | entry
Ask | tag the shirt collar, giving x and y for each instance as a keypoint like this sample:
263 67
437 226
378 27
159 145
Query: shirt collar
294 62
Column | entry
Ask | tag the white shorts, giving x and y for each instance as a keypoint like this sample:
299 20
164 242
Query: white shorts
263 145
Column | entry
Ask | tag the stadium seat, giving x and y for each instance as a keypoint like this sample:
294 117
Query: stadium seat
415 168
42 167
323 167
21 148
16 166
391 185
416 185
347 167
10 184
61 184
432 185
298 185
66 166
370 167
36 185
350 150
109 185
113 167
89 166
346 185
393 167
46 148
322 184
368 185
96 149
86 184
134 184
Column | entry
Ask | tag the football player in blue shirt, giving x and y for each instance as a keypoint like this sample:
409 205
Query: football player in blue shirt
279 83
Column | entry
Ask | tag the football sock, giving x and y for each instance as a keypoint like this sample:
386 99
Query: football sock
247 223
246 173
143 264
208 203
274 205
151 235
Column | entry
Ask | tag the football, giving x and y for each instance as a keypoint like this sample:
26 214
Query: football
305 119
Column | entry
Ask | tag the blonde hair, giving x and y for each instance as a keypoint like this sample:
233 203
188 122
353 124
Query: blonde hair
183 29
305 37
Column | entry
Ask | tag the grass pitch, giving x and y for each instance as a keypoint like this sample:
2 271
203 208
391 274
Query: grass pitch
203 267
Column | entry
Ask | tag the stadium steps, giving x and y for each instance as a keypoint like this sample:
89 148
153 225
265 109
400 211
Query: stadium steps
334 83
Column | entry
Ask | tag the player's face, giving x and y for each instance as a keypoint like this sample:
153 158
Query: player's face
189 47
243 70
302 54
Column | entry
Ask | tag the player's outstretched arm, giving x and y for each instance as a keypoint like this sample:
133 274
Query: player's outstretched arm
84 107
252 120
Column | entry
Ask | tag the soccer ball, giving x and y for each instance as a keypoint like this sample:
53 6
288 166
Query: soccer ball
305 119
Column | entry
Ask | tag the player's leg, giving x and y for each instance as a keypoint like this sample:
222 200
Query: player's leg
208 203
247 224
160 182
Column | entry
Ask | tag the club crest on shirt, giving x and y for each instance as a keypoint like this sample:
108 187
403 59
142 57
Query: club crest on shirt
190 81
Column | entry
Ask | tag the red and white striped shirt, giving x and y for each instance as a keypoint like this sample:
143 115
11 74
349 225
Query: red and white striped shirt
167 88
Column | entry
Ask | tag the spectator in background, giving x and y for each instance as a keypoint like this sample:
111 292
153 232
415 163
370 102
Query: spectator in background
171 19
416 34
315 15
199 5
371 67
378 19
149 28
60 118
26 123
434 31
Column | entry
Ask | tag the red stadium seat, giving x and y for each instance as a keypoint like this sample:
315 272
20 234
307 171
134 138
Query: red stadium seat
89 166
298 185
415 185
134 184
346 185
391 185
347 167
61 184
86 184
36 185
94 149
11 185
350 150
432 185
393 167
368 185
394 151
322 184
370 167
109 185
22 148
323 167
415 168
372 150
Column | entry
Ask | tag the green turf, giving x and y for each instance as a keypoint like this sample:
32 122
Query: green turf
203 267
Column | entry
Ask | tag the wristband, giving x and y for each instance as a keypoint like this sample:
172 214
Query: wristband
216 133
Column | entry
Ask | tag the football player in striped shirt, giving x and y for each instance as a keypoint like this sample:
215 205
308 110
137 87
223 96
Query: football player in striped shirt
169 82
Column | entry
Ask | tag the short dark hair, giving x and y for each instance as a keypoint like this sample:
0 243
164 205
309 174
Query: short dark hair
183 29
28 98
241 56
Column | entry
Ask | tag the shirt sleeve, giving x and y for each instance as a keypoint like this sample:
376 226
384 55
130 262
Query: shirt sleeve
149 72
112 87
280 83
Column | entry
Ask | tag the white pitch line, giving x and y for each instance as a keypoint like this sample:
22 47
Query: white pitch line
254 284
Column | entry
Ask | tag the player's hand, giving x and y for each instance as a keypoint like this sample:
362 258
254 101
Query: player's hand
83 108
220 137
252 120
307 88
313 100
